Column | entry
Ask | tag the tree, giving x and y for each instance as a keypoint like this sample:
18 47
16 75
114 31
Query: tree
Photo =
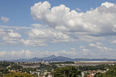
109 73
13 74
69 71
99 75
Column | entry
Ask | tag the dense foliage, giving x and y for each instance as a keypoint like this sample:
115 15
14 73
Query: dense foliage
4 71
47 67
13 74
98 67
69 71
15 66
109 73
28 70
4 64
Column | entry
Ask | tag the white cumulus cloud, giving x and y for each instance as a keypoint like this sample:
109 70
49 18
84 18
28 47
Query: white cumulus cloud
4 19
9 37
97 21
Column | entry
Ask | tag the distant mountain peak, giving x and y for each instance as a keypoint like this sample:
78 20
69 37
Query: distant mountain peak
34 58
51 57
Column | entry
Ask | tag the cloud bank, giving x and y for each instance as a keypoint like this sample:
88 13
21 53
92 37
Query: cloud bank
97 21
60 24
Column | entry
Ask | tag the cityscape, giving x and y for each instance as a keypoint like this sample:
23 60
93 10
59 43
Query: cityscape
55 69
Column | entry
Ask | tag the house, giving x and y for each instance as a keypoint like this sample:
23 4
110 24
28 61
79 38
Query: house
50 75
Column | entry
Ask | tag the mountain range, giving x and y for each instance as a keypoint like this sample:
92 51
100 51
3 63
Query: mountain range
58 58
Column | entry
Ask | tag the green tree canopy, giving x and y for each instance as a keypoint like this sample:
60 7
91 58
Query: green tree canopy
69 71
13 74
109 73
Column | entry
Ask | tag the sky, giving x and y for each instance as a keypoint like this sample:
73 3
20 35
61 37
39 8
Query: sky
70 28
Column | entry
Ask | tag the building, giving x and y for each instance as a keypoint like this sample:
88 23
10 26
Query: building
30 65
42 61
50 75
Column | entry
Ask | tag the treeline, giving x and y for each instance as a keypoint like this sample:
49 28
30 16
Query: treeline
109 73
98 67
14 74
4 64
69 71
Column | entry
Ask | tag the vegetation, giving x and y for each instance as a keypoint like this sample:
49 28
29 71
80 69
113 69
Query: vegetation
14 69
69 71
15 66
98 67
13 74
47 67
4 71
109 73
4 64
27 70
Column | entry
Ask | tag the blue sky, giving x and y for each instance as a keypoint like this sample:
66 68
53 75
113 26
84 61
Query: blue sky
39 28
